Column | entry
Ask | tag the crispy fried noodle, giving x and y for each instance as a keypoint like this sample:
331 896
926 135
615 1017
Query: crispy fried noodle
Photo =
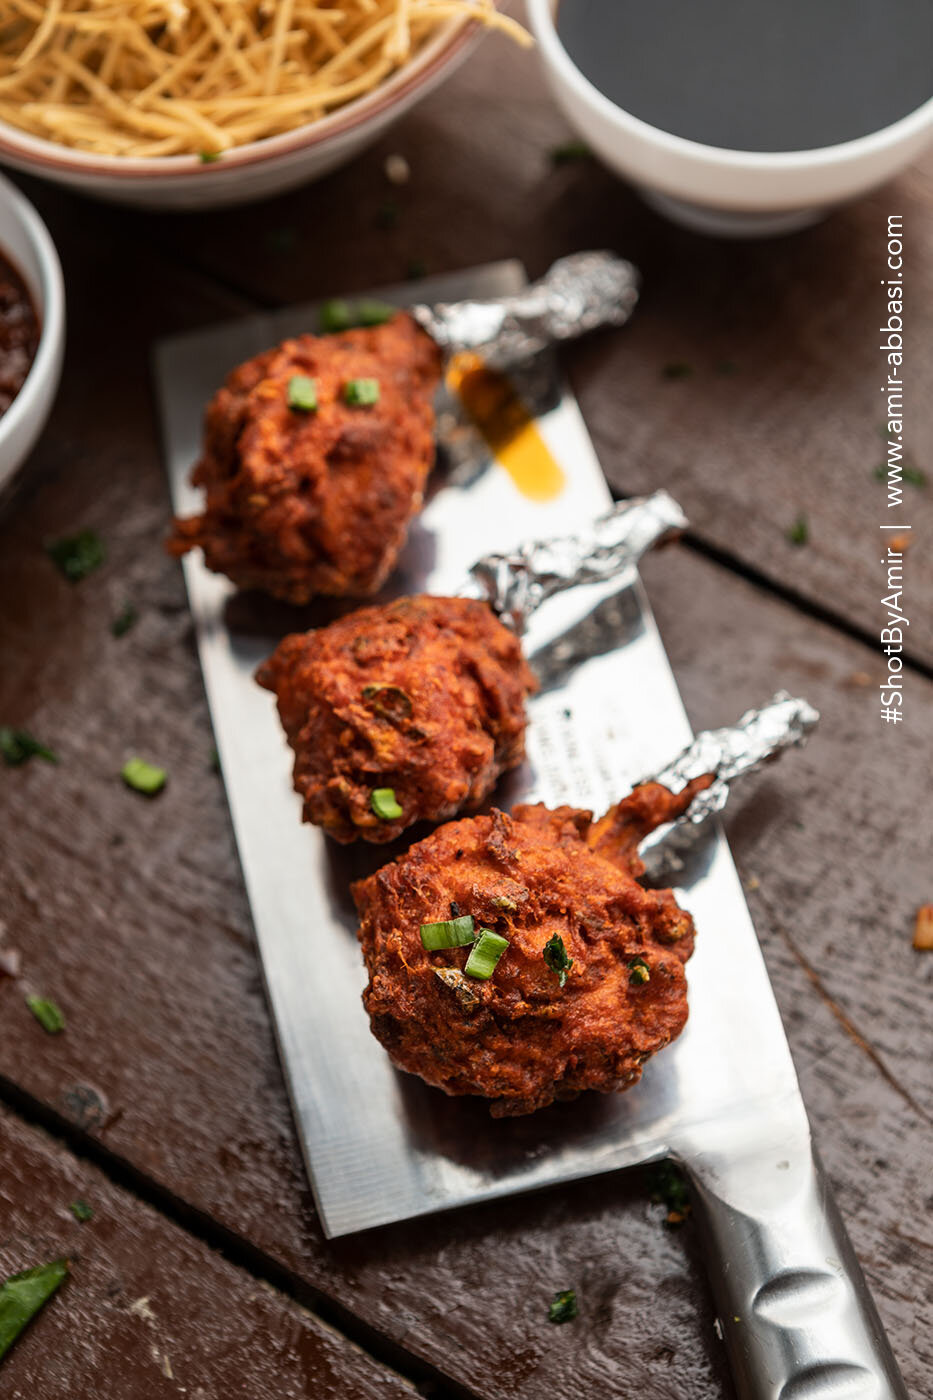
178 77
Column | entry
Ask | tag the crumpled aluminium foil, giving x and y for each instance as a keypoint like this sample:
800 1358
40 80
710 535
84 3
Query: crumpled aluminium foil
577 294
515 584
759 738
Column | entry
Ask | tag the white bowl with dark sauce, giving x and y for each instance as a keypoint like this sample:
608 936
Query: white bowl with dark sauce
744 117
32 327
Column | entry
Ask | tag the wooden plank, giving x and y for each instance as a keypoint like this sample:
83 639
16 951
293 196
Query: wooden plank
148 1311
780 413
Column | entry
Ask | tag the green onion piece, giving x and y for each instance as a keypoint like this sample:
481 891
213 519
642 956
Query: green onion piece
564 1306
143 776
81 1211
335 316
124 620
302 394
485 953
78 555
17 745
47 1013
639 972
452 933
361 392
23 1295
384 803
374 313
555 955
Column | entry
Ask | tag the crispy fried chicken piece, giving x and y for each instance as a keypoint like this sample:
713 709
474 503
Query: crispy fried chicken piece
521 1039
424 695
307 502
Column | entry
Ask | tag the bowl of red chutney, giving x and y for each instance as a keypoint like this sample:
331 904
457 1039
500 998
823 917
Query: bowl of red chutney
32 328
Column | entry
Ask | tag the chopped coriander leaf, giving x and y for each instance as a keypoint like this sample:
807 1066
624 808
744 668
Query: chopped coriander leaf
799 532
78 555
143 777
208 157
677 370
335 316
18 745
564 1307
47 1013
302 394
451 933
638 972
370 312
485 953
570 151
361 392
555 955
81 1211
385 805
124 620
23 1295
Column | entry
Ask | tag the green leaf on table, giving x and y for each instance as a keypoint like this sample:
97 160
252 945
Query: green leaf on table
23 1295
18 745
78 555
563 1307
47 1013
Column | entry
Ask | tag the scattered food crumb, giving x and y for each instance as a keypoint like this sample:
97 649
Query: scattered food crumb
563 1307
923 928
397 169
141 1308
858 679
167 1367
126 618
11 962
78 555
47 1013
669 1188
900 544
81 1211
677 370
799 533
752 884
717 1327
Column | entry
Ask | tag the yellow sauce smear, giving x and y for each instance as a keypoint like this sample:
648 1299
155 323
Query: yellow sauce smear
506 426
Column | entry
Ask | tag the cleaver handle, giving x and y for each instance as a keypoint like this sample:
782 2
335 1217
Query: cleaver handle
796 1315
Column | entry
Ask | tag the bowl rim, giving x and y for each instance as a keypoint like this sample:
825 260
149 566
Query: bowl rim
555 55
54 156
42 377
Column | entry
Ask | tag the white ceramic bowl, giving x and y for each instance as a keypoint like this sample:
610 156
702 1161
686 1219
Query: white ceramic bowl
25 241
742 193
258 169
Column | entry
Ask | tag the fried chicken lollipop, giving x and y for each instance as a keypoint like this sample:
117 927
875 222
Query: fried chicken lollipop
411 711
315 459
404 712
519 959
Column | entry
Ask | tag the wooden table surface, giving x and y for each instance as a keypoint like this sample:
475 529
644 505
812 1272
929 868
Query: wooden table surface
204 1271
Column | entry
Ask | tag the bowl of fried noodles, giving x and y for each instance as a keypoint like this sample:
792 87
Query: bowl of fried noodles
203 103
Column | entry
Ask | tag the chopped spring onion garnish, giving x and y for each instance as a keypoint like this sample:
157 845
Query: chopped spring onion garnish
143 777
452 933
374 313
384 804
23 1295
639 972
48 1015
361 392
485 953
555 955
17 745
78 555
302 394
564 1306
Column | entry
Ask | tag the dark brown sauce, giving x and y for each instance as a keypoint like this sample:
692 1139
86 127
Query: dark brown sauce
19 333
756 75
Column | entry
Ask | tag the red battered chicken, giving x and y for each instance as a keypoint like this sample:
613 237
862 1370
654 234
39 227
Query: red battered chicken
405 712
315 459
589 984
